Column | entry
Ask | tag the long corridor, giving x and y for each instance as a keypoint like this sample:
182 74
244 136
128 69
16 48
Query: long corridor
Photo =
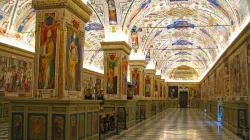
179 124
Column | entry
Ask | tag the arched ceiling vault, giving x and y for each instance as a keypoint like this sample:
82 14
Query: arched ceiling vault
173 34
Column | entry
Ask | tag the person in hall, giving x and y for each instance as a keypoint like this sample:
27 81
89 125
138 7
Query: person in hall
88 95
72 64
47 63
100 96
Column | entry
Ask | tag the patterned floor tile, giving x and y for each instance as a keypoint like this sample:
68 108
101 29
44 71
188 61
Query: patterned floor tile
180 124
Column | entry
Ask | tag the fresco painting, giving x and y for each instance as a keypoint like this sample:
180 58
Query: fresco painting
155 88
136 81
194 92
124 68
37 126
73 57
147 86
73 127
112 12
238 81
98 84
135 39
58 126
173 91
112 73
18 126
15 76
81 130
48 38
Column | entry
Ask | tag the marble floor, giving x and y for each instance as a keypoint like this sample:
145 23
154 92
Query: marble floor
179 124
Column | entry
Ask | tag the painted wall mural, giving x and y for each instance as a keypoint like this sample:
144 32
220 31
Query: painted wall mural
135 39
37 126
124 71
155 88
81 128
136 81
15 76
238 76
48 39
73 127
17 126
194 92
147 86
58 126
73 57
112 12
248 66
173 91
112 73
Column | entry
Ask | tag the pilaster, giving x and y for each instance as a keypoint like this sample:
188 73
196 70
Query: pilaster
162 88
60 30
137 68
149 83
115 69
157 79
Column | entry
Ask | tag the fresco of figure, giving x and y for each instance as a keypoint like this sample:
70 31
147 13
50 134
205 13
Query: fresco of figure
47 56
72 64
112 12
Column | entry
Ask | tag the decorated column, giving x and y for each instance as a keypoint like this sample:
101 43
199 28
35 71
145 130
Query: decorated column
157 79
60 28
162 89
137 68
149 83
115 69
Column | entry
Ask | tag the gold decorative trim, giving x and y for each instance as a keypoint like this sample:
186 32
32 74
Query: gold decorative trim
16 51
117 45
138 63
75 6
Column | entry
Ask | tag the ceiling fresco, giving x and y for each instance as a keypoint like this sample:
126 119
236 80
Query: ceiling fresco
173 34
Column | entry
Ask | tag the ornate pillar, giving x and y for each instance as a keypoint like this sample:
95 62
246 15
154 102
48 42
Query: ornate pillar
162 89
115 69
157 79
137 77
60 29
166 90
149 83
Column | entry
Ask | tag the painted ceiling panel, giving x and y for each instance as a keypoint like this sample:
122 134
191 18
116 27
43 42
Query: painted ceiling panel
173 34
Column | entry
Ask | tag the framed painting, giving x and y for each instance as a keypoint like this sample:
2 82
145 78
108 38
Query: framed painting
81 127
37 126
5 109
89 124
17 126
73 126
58 126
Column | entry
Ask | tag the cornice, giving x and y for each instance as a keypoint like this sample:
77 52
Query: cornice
157 77
16 51
75 6
87 71
138 63
162 80
116 45
150 71
183 83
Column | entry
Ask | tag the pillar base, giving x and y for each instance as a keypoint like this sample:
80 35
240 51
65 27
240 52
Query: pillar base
54 119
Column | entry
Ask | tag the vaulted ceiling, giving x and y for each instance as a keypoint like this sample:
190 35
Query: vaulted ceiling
172 34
